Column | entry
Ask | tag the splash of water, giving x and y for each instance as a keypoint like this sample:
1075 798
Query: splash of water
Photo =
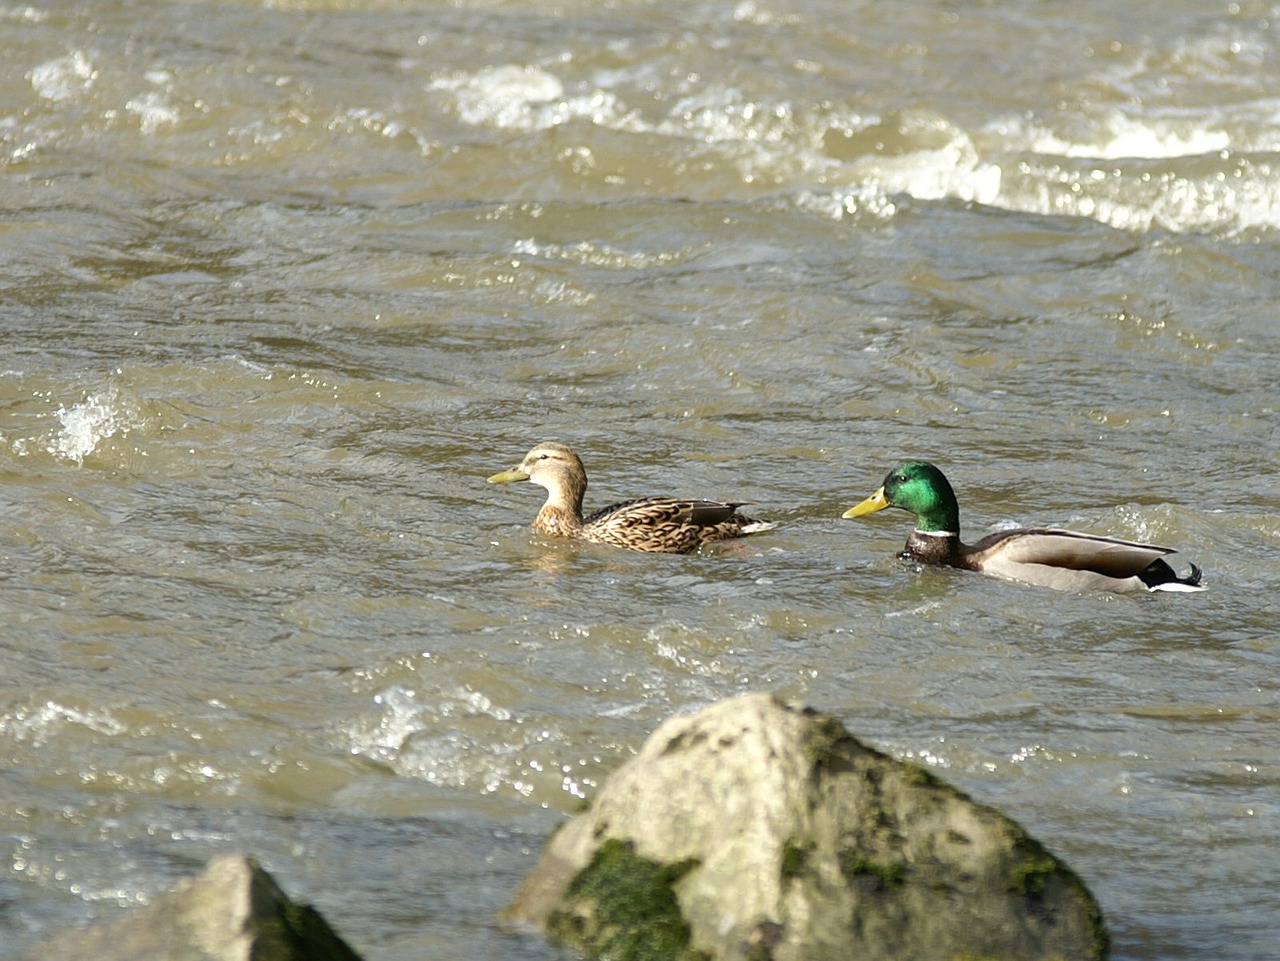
84 426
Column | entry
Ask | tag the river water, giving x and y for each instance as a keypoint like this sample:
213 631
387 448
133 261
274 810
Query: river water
283 283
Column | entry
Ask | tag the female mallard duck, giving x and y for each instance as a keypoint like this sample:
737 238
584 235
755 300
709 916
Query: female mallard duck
1066 560
665 525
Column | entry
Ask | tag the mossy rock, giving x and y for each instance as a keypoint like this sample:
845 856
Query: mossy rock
622 907
757 830
231 911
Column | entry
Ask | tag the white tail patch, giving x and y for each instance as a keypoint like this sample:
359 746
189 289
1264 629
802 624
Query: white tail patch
1177 586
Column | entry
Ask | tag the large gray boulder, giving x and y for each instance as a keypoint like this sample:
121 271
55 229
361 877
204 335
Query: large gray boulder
756 830
233 911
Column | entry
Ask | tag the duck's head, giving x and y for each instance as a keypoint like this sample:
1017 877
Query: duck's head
919 488
550 465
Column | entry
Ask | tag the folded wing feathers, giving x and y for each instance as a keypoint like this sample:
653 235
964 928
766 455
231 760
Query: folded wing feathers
1075 551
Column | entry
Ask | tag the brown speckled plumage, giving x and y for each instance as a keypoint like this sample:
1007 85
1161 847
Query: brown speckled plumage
667 525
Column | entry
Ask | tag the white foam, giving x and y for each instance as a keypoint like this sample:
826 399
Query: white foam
522 98
38 725
953 170
403 714
63 78
87 424
1182 171
399 719
153 110
1118 136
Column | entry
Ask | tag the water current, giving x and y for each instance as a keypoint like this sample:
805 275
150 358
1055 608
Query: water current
282 283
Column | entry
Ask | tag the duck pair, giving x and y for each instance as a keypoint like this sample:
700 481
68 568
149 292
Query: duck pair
1062 559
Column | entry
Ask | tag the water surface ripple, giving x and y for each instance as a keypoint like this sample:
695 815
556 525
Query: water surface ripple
283 283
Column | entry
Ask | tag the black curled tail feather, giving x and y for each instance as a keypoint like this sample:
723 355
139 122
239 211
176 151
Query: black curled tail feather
1159 576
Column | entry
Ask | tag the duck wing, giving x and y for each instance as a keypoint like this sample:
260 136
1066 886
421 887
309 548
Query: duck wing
1072 550
667 524
1070 560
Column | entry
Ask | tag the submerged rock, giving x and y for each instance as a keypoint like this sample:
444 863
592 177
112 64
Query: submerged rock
233 911
757 830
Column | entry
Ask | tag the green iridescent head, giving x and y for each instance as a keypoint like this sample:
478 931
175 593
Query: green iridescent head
921 489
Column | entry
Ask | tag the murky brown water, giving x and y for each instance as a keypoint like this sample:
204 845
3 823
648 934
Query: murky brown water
283 284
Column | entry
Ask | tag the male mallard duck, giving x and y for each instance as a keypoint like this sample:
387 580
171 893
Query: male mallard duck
1066 560
666 525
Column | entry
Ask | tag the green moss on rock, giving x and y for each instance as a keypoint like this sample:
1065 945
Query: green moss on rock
826 743
621 907
795 857
1038 866
889 874
307 935
1029 877
920 776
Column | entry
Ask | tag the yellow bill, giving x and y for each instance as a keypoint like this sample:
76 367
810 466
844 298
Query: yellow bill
876 502
509 476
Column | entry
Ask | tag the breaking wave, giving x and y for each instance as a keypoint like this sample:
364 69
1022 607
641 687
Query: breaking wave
1207 169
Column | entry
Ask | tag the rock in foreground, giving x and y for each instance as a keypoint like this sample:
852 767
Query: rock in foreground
232 912
756 830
